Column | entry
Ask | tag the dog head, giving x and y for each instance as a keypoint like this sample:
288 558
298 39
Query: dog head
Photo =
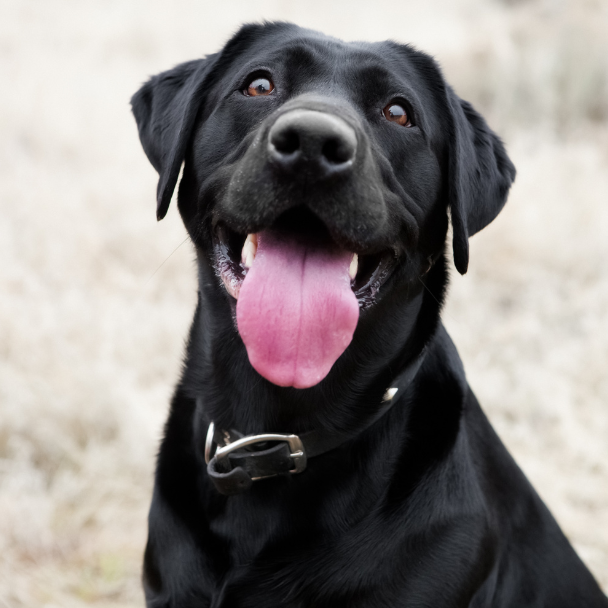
317 181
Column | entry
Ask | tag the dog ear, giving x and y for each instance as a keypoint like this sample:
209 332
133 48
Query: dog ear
165 109
480 175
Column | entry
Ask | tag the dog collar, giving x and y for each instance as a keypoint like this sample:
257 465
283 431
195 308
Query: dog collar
235 461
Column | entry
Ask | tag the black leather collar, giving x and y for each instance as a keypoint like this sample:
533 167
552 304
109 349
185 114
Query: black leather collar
234 461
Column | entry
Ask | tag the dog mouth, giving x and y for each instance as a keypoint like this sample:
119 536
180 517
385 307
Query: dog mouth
298 294
235 253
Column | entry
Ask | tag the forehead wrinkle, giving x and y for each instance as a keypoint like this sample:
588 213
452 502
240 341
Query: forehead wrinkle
335 59
312 52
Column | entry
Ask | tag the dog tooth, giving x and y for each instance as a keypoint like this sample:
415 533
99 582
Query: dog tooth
390 393
354 266
250 248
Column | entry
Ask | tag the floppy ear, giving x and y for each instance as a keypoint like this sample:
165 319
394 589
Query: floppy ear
165 109
480 175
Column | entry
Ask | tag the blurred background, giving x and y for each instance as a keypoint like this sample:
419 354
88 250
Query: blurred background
96 296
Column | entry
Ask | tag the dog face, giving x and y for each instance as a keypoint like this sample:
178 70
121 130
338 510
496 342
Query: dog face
317 179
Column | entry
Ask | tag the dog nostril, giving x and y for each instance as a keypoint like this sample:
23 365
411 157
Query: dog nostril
338 151
286 141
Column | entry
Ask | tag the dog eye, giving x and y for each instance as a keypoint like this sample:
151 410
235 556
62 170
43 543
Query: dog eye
396 113
259 86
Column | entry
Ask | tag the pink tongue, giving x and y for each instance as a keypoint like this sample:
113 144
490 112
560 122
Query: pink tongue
296 311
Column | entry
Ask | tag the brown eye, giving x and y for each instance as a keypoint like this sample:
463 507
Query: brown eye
396 113
259 86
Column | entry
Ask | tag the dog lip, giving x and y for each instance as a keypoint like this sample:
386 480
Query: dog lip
229 267
367 286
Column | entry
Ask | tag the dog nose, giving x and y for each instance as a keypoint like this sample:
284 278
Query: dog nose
312 141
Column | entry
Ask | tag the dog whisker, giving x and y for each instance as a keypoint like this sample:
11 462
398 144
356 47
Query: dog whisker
166 260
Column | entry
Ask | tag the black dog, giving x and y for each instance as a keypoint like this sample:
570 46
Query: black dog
301 151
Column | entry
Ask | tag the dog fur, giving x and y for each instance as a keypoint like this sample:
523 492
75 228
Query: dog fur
423 509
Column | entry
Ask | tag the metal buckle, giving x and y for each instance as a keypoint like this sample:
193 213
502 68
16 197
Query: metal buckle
296 447
209 442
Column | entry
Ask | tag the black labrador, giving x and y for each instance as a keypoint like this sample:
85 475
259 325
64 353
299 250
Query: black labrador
323 447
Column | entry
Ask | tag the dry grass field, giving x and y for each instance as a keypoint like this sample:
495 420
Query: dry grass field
96 297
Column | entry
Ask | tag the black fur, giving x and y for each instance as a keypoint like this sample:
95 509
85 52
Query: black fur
425 508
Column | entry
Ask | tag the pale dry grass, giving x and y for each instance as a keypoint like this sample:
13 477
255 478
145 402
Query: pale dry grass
91 335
